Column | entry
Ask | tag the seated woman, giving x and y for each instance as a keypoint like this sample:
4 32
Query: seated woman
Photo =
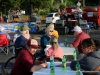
91 59
55 32
55 49
44 40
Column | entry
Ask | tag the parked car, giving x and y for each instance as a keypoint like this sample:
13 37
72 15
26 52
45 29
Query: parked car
51 18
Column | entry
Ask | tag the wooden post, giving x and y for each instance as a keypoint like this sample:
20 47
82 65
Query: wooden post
83 3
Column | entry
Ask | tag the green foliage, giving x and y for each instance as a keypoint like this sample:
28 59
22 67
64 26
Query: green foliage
62 5
92 2
44 13
53 10
71 2
42 6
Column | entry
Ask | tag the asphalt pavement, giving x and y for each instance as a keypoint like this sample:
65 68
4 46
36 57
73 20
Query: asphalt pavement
93 33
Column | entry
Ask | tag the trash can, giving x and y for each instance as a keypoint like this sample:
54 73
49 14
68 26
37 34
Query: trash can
61 30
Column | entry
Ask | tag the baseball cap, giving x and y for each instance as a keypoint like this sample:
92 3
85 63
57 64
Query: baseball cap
77 29
24 28
32 43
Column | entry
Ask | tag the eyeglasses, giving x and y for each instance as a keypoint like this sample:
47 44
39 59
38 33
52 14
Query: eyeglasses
84 47
53 42
51 31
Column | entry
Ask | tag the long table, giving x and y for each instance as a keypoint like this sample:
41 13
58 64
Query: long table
68 50
58 70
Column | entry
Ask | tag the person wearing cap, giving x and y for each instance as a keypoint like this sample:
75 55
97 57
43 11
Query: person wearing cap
55 32
80 36
26 63
21 41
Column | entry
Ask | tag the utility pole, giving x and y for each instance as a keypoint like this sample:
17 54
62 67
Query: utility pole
83 3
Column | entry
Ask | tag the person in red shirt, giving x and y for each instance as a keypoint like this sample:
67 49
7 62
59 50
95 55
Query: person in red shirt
25 63
55 49
80 36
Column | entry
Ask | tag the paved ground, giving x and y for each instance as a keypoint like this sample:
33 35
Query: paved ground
94 34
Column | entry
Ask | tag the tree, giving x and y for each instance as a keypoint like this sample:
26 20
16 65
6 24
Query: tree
92 2
41 5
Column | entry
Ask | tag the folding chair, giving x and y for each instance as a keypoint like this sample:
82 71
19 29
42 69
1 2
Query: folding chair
4 42
10 62
17 50
7 67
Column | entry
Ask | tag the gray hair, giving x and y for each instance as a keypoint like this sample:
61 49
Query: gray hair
48 29
51 26
23 32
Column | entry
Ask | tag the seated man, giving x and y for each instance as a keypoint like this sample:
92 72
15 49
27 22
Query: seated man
55 49
91 59
22 39
80 36
25 63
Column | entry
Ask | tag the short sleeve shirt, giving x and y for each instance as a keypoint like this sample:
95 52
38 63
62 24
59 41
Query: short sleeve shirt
77 42
21 42
23 63
58 53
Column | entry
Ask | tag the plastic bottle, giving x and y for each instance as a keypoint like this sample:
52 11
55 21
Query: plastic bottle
66 42
51 58
78 68
64 63
74 55
52 65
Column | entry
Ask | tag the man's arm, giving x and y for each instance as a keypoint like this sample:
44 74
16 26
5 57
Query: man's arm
28 63
75 43
37 62
38 67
